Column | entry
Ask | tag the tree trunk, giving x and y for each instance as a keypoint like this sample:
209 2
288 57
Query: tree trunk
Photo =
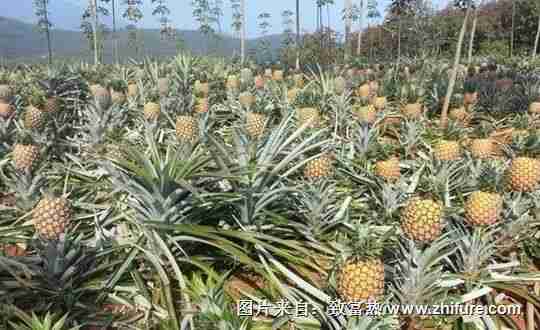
93 7
348 25
535 50
47 31
398 46
115 37
243 32
451 84
513 26
297 35
473 33
360 23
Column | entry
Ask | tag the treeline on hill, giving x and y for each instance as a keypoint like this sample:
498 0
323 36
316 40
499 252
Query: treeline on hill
503 28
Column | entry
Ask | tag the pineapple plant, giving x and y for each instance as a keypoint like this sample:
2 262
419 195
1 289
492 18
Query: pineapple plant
320 167
152 107
34 118
421 219
524 172
307 107
483 207
482 146
470 93
360 274
25 155
118 89
187 126
51 216
448 147
163 84
387 164
364 112
411 96
258 116
6 92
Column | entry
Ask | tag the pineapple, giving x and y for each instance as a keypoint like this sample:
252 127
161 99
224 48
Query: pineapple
360 274
298 80
118 89
132 89
483 146
365 113
411 96
151 111
307 103
388 169
340 85
163 86
201 105
187 126
524 171
259 82
51 217
277 75
320 167
291 94
102 97
484 206
246 99
25 157
257 116
448 148
152 107
470 95
421 219
51 88
201 89
6 110
34 118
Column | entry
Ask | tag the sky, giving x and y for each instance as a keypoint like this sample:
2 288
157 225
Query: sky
182 18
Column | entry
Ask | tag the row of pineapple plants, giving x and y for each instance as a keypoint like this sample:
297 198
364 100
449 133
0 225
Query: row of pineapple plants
173 189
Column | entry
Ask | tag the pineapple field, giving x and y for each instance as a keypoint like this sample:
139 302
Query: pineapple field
196 193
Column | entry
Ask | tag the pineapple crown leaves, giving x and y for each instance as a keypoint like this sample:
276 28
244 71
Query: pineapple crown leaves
425 266
66 263
439 180
118 85
451 132
365 241
471 86
528 146
34 322
412 93
489 176
308 97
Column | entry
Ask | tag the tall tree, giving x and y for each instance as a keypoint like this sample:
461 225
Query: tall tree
95 31
513 28
347 17
537 38
236 23
264 27
133 14
360 28
297 35
95 25
467 4
202 11
372 14
398 9
243 39
114 35
473 32
42 12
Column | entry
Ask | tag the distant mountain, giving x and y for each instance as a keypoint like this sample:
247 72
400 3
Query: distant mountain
63 14
22 41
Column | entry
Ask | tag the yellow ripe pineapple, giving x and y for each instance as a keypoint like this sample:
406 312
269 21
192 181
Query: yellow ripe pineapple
25 157
484 206
6 110
298 80
291 94
118 89
51 216
151 111
388 169
132 89
448 147
307 104
412 95
257 116
202 105
320 167
187 128
340 85
34 118
460 115
163 86
421 219
360 273
365 113
483 146
246 99
524 172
